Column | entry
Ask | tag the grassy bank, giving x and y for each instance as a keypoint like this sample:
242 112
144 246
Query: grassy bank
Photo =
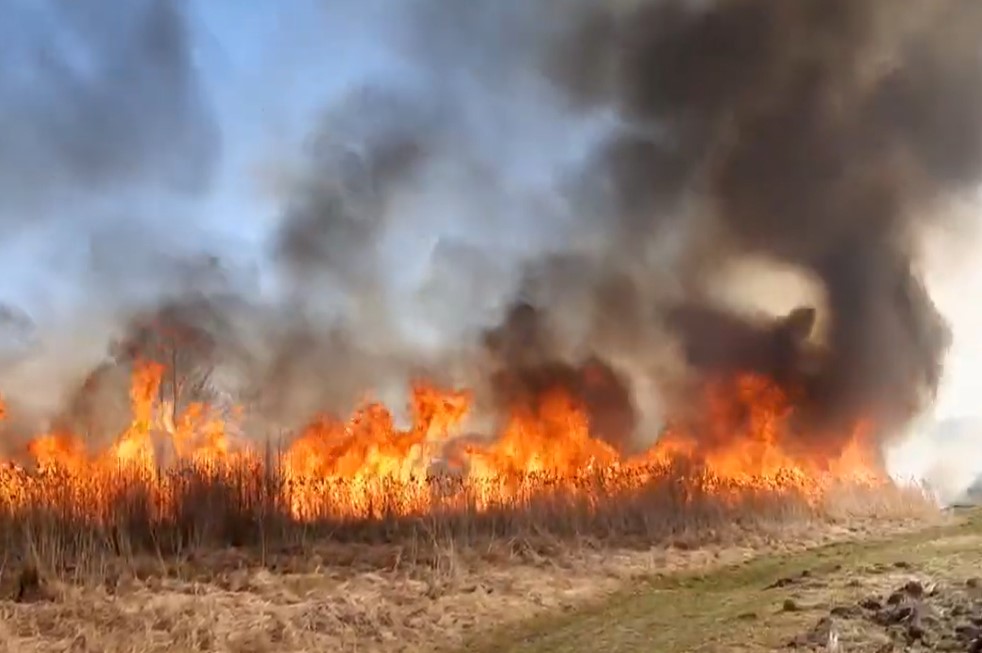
761 605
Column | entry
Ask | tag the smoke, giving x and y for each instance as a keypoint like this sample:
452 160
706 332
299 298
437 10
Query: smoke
938 448
417 160
98 99
399 238
826 135
107 132
938 456
537 194
526 366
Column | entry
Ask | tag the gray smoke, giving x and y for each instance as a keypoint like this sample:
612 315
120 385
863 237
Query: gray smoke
421 199
106 130
100 98
822 134
582 172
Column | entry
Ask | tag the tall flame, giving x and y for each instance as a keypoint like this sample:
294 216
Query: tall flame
552 437
745 435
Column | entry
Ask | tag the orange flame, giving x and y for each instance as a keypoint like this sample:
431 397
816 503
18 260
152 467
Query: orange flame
369 445
554 437
746 435
58 450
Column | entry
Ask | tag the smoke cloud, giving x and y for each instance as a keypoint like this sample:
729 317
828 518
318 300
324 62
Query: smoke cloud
824 135
421 200
99 98
106 130
541 194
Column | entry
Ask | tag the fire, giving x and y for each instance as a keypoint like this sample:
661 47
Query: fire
748 431
58 450
369 445
367 465
552 437
195 434
358 456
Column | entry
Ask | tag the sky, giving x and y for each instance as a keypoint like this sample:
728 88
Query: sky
269 69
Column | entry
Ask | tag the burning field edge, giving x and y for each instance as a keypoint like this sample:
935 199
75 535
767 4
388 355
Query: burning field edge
185 534
358 535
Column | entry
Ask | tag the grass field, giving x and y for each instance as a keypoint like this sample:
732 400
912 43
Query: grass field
797 601
405 596
219 562
173 540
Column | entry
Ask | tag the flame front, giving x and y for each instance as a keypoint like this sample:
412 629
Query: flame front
366 466
748 432
553 437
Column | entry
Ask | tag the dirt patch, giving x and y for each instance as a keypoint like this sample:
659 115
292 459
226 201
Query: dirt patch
937 608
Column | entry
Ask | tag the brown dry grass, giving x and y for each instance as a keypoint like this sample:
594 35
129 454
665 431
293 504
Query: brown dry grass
66 522
345 597
768 603
227 569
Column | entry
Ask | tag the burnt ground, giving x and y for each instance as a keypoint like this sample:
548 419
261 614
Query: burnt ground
912 592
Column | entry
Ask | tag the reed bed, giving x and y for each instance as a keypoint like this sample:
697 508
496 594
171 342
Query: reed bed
60 519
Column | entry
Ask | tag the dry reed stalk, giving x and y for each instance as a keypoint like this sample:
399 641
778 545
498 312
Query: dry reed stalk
73 525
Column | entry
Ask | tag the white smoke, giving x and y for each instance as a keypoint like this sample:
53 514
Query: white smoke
941 456
942 448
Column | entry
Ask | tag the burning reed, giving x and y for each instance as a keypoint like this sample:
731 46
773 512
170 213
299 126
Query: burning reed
63 517
175 481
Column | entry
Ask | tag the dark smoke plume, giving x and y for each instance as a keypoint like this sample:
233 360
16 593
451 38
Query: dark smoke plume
526 367
822 133
367 147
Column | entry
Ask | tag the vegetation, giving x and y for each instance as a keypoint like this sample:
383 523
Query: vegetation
767 603
59 520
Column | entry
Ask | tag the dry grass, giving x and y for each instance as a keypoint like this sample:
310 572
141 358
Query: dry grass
59 520
789 602
345 597
223 565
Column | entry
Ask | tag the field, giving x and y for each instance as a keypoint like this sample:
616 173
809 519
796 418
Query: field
917 590
225 569
178 537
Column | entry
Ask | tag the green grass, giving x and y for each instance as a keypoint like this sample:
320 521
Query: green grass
731 609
